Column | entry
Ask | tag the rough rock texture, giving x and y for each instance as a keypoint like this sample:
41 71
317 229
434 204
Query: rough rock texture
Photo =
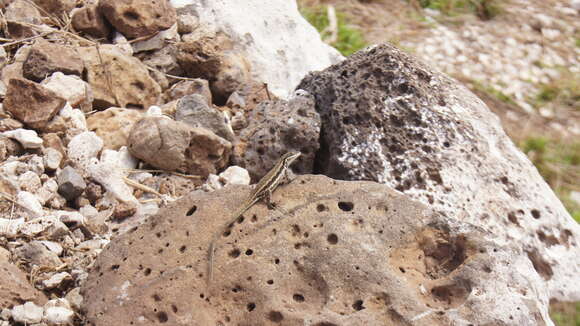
194 111
188 87
45 58
136 18
77 92
288 41
343 253
35 253
175 146
388 118
113 125
89 20
276 128
129 83
32 103
55 7
19 15
70 183
15 288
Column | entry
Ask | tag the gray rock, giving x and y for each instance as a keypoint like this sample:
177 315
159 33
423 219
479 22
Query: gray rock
194 111
341 253
388 118
70 183
236 101
75 298
276 128
28 313
36 253
188 87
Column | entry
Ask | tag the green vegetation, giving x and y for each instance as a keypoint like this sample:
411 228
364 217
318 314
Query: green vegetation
559 164
493 92
484 9
567 314
563 91
349 38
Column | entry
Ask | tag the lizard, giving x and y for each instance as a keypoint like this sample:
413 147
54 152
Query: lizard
262 191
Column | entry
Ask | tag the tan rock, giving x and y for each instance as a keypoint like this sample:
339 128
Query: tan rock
136 18
114 125
333 253
15 287
89 20
175 146
189 87
19 15
32 103
55 8
125 82
10 124
46 58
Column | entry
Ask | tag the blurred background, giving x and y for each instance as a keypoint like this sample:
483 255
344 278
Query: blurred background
521 57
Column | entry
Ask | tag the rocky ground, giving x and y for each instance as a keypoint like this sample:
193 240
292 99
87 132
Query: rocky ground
114 111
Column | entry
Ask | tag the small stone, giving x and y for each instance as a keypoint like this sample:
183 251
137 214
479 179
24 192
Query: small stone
122 44
136 18
94 192
189 87
239 121
30 203
187 22
113 125
29 181
28 313
32 103
9 227
212 183
47 191
27 138
46 58
53 246
194 111
158 41
5 314
89 19
36 253
72 88
57 202
48 226
52 140
19 16
75 298
55 7
58 312
235 175
236 101
84 147
9 147
9 124
36 164
52 159
70 183
124 210
58 280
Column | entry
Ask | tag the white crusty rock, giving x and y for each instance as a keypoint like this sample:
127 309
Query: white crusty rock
27 138
281 54
58 312
29 181
49 226
83 147
30 203
28 313
235 175
56 280
72 88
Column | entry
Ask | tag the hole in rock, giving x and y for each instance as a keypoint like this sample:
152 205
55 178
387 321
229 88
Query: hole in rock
345 206
191 210
332 239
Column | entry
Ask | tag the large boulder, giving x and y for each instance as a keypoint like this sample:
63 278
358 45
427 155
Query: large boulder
281 54
332 253
387 117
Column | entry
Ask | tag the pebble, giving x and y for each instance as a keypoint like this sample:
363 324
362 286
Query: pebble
30 203
235 175
56 280
70 183
58 312
52 159
27 138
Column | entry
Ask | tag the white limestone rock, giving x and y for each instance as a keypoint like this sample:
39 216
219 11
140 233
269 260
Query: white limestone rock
30 203
58 312
28 313
72 88
52 158
235 175
56 280
27 138
83 147
281 54
9 227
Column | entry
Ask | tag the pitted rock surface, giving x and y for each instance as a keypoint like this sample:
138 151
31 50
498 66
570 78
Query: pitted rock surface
276 127
45 58
333 253
137 18
387 117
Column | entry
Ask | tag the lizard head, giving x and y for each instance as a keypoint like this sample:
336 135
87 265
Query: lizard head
290 157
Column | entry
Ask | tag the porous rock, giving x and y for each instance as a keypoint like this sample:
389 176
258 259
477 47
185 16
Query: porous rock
113 125
277 127
89 19
118 79
289 41
194 111
334 253
136 18
175 146
386 117
15 287
45 58
32 103
28 313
